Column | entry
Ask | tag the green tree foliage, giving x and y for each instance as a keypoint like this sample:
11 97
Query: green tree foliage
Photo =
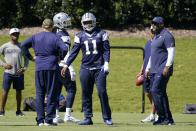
109 13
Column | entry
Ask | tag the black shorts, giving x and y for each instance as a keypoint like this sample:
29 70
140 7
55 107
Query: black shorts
17 80
147 85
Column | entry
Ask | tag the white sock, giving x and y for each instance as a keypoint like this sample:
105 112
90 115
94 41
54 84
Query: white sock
152 115
68 112
57 112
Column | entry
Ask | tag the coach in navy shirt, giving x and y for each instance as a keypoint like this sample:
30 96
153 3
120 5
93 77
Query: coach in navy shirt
46 46
160 65
94 68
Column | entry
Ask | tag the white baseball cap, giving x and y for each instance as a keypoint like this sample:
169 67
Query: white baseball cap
14 30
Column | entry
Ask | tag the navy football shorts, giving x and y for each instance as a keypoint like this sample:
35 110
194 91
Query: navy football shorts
146 85
17 80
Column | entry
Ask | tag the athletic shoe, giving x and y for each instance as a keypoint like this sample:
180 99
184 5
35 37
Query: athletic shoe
40 124
159 122
57 120
86 121
156 118
150 118
19 113
70 119
2 113
50 124
108 122
171 122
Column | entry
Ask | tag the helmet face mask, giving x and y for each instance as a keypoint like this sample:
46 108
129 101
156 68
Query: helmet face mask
88 21
62 20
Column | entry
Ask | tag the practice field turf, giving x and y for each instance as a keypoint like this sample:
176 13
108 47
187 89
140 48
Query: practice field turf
122 122
124 96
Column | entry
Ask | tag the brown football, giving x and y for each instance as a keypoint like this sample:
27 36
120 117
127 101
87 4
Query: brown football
139 80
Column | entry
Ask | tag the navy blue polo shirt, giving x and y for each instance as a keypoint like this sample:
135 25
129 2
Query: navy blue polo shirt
159 53
46 46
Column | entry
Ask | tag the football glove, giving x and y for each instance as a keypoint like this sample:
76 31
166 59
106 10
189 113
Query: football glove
106 67
72 73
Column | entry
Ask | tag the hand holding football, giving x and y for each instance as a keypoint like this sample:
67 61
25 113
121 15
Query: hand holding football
139 80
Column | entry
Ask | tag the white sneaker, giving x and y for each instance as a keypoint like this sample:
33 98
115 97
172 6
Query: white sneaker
40 124
156 118
50 124
57 120
150 118
70 119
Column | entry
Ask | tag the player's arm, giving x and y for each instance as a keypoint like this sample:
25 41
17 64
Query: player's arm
170 45
26 62
24 67
71 68
62 47
170 58
147 70
74 51
106 54
66 40
141 70
2 62
25 48
73 54
106 47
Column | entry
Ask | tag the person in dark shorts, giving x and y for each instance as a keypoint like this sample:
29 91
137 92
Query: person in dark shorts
15 65
147 81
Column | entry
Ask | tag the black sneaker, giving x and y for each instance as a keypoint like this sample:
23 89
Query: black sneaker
159 122
2 113
19 113
171 122
164 122
86 121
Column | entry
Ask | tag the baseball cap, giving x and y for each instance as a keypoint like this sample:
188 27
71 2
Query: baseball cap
47 23
158 20
14 30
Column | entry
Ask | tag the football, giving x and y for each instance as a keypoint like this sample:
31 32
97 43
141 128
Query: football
139 80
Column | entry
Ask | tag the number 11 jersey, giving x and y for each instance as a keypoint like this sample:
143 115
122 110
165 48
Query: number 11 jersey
95 49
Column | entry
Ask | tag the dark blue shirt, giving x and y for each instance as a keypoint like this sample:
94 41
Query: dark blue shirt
95 49
46 46
64 36
159 53
147 51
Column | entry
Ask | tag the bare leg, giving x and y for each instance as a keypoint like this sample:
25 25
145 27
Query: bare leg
18 99
151 102
151 117
4 99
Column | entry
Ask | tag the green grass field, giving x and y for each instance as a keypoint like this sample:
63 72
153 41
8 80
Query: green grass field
124 96
122 122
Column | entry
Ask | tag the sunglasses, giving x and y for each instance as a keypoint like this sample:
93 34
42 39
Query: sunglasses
154 23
